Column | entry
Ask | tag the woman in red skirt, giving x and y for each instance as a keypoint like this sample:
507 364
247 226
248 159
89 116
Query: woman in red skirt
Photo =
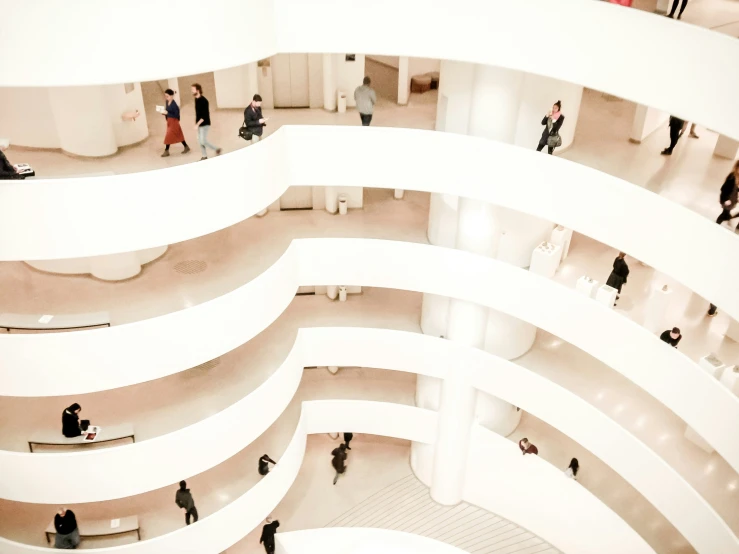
174 131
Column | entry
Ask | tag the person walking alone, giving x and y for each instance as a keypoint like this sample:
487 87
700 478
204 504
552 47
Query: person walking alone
339 460
729 196
347 439
550 135
572 469
184 500
202 121
67 534
677 126
264 462
254 121
671 336
619 274
527 447
365 97
671 15
174 132
268 535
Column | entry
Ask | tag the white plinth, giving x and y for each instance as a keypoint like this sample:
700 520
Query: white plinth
398 194
697 440
587 286
656 309
730 379
341 101
342 293
332 291
606 295
726 148
562 237
712 365
545 259
733 331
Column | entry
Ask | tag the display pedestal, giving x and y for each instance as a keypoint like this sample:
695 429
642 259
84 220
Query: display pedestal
562 237
656 309
733 331
545 259
726 148
730 379
606 295
697 440
587 286
712 365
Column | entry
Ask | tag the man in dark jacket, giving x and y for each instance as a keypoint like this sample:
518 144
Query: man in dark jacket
268 535
619 274
339 460
347 439
677 126
71 421
184 500
729 196
671 337
253 119
67 534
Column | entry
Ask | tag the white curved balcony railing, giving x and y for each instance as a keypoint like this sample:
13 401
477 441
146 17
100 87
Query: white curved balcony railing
55 51
591 526
102 215
87 361
40 478
357 540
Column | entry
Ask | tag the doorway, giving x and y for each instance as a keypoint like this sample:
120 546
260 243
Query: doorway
290 81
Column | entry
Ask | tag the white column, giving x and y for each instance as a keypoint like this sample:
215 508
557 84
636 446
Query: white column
455 89
494 102
329 82
83 120
538 95
442 229
646 121
404 80
726 148
236 86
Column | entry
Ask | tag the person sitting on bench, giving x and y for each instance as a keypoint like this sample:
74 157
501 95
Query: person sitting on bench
71 424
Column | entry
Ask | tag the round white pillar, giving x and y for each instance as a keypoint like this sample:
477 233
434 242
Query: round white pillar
494 102
83 120
442 229
329 82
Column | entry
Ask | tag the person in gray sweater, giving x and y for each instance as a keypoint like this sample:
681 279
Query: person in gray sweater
366 99
184 500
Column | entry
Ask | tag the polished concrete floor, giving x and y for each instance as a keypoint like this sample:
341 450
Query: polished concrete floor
691 177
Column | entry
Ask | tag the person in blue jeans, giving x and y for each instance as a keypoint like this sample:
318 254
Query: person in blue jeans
202 121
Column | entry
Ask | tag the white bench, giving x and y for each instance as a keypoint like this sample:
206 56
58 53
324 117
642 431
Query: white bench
64 322
106 434
101 528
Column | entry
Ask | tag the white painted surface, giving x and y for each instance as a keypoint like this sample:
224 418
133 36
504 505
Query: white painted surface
27 117
82 117
87 217
110 267
235 86
646 121
55 50
353 540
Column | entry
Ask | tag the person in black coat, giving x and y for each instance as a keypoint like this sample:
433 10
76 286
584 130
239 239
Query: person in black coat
268 535
553 121
347 439
671 337
71 421
729 196
677 126
264 462
339 460
619 274
67 534
254 121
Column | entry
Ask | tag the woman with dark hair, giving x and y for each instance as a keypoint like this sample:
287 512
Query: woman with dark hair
67 534
264 462
572 469
550 136
620 272
174 131
71 421
729 196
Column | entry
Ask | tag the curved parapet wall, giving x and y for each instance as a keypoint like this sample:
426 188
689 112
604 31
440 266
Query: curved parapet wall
591 526
105 215
55 51
160 346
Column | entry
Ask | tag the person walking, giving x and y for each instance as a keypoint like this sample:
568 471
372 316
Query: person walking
67 534
527 447
553 123
365 97
264 462
347 439
729 196
677 127
572 469
174 132
671 337
254 121
692 133
202 121
339 460
184 500
712 311
619 273
268 535
674 7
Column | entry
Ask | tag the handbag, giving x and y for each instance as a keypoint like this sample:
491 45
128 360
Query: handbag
554 141
244 133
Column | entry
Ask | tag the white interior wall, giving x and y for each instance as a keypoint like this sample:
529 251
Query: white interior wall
315 80
119 102
265 86
236 86
421 66
82 117
26 117
349 76
392 61
646 121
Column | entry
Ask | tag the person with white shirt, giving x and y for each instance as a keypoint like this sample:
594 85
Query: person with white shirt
572 469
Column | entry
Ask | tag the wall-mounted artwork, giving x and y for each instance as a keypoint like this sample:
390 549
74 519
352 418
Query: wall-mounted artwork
351 57
128 87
